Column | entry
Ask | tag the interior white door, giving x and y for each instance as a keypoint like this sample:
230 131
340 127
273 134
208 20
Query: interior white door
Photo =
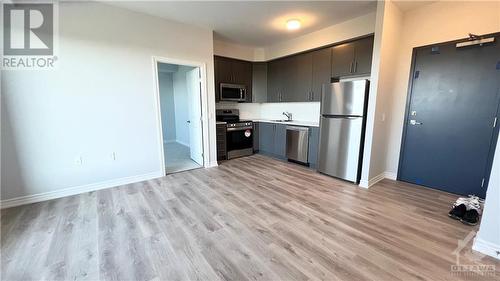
194 108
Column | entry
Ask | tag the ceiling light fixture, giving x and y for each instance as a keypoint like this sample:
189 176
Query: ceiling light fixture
293 24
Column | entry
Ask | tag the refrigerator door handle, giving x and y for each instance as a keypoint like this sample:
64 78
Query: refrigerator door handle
341 117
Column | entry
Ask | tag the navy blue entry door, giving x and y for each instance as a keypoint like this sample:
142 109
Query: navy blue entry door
449 132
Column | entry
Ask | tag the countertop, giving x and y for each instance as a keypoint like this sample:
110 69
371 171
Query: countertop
293 122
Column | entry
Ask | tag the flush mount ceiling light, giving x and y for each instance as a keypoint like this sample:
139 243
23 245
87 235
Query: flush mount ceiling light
293 24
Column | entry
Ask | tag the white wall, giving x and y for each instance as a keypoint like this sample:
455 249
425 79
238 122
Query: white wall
167 102
488 239
237 51
100 99
387 34
181 105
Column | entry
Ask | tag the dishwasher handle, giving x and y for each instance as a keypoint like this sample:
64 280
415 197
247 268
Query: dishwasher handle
297 128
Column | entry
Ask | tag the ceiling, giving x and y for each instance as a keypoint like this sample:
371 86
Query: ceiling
253 23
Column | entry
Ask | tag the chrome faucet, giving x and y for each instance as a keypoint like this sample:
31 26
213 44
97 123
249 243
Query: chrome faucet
288 115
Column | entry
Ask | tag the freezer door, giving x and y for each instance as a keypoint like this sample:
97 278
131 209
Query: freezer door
339 147
344 98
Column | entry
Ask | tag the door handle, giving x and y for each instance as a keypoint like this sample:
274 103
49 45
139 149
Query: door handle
414 122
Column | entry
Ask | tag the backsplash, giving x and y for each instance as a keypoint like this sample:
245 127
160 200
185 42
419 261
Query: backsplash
301 111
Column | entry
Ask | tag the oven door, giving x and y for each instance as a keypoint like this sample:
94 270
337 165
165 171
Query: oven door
239 141
232 92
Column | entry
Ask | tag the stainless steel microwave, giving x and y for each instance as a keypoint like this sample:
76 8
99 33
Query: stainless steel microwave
232 92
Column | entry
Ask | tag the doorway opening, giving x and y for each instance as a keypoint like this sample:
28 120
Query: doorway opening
179 90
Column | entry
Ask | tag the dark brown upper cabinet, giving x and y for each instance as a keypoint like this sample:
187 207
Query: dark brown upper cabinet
259 82
275 79
232 71
296 78
298 84
299 78
321 72
364 54
353 58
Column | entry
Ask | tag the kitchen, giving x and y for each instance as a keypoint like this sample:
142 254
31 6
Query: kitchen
281 100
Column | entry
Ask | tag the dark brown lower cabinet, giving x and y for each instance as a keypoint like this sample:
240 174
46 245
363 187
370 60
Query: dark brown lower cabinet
221 142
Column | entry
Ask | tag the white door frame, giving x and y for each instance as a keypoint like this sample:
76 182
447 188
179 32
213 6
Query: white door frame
204 106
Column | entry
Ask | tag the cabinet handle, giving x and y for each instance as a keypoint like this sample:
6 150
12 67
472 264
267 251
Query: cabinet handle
355 66
350 66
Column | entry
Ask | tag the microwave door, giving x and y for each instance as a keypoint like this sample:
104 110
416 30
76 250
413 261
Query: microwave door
229 92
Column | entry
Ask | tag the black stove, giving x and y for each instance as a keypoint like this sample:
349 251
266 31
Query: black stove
239 133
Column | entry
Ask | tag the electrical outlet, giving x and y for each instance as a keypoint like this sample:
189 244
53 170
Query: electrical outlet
79 160
383 117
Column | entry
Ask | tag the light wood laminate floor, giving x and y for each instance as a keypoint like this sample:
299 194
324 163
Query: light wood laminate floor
251 218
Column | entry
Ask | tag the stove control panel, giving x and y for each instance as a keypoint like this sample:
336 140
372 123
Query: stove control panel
241 124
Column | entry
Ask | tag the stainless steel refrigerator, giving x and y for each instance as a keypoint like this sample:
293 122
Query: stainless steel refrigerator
342 125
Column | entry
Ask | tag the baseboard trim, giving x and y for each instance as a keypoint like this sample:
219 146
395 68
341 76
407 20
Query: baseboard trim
212 164
183 143
28 199
486 248
391 176
377 178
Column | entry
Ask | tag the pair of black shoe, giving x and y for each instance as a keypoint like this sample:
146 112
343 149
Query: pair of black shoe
460 212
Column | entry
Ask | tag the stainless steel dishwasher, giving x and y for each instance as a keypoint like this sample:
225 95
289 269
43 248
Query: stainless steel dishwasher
297 144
